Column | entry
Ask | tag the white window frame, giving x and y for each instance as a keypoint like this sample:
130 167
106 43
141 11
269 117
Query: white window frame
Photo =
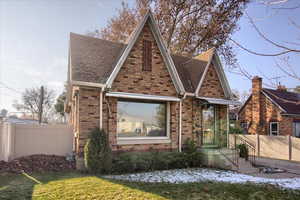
149 140
270 129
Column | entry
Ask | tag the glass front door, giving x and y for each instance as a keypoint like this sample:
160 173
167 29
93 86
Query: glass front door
208 125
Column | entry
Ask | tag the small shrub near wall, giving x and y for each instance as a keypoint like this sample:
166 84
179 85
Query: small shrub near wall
149 161
98 157
243 151
97 152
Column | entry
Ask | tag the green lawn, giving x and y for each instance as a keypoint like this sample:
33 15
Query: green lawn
79 186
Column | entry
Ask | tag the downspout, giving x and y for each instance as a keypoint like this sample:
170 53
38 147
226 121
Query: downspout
227 126
100 107
180 117
180 124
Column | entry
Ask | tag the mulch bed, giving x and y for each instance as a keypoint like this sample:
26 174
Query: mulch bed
37 163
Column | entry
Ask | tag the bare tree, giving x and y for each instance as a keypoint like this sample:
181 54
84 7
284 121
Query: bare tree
282 48
188 26
31 101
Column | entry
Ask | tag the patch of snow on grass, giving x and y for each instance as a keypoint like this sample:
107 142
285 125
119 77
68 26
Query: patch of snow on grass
198 175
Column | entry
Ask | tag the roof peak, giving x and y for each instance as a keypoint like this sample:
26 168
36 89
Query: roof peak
206 55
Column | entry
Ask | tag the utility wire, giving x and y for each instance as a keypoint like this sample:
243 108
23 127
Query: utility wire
7 87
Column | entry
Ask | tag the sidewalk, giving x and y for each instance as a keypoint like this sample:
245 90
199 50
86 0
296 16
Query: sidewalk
290 166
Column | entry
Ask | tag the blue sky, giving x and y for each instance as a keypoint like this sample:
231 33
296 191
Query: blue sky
34 37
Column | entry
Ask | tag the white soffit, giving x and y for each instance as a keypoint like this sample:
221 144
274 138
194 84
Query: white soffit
220 101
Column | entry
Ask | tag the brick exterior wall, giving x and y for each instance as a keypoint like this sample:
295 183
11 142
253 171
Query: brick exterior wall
88 109
132 79
192 120
259 111
211 86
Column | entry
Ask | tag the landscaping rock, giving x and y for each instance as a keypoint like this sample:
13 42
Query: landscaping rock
37 163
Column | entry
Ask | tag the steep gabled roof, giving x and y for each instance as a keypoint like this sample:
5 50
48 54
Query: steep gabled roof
190 71
289 102
99 61
210 56
92 59
148 18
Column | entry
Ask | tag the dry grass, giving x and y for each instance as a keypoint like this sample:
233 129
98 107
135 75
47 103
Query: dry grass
78 186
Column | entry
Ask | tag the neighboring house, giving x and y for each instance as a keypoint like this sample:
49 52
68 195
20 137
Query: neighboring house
144 97
16 120
271 112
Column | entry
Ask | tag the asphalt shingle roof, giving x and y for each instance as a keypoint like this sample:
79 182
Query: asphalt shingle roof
93 60
289 101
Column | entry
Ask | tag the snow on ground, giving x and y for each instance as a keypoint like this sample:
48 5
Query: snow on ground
198 175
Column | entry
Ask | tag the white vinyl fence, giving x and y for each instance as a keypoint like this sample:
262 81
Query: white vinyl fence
17 140
278 147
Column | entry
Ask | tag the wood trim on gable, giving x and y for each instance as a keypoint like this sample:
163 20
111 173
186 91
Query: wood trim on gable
164 51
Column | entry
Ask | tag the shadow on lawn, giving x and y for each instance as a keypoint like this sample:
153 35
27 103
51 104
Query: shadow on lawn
26 186
21 186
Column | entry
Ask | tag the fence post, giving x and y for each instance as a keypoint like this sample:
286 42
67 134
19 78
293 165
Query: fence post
290 147
11 131
234 141
258 145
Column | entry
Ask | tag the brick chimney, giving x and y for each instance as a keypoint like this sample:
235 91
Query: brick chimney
256 105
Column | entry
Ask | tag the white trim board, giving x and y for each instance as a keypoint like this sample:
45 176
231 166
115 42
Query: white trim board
220 101
268 97
164 51
141 96
89 84
204 73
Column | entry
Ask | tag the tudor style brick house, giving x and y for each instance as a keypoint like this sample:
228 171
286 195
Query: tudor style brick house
271 112
144 97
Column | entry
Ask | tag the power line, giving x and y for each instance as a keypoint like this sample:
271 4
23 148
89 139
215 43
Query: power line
7 87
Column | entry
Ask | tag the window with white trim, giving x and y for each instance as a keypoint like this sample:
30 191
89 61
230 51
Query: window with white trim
138 119
274 128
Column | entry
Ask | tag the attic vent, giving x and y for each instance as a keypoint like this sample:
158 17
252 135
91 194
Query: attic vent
147 55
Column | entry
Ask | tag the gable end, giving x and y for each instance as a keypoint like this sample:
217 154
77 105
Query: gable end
165 53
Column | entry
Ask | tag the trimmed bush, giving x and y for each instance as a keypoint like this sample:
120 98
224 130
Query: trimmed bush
97 152
149 161
190 146
243 151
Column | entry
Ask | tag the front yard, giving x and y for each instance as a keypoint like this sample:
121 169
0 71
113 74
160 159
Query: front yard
73 185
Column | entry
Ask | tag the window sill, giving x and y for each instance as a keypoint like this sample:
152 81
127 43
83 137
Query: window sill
155 140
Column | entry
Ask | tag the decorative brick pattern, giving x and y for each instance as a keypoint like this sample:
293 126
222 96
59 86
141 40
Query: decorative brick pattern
211 86
131 77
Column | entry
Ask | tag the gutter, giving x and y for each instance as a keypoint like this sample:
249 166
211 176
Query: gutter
287 114
89 84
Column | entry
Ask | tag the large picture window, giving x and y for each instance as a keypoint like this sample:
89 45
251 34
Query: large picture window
141 119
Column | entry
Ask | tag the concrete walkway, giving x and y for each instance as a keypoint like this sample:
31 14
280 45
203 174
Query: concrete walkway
289 166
